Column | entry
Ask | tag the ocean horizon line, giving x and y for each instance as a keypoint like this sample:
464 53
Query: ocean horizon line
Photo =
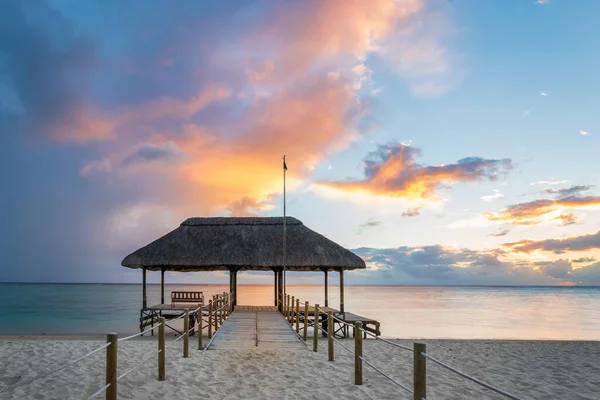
309 284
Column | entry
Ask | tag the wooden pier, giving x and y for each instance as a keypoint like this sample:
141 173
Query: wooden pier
256 327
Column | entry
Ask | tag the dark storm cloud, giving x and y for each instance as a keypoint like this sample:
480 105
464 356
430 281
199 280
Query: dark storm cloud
44 63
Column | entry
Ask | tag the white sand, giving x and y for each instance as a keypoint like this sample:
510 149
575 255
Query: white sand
532 370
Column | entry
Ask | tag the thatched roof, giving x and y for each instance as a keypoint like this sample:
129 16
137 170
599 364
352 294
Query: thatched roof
208 244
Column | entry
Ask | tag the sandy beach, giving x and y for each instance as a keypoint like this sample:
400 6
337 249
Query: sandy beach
529 369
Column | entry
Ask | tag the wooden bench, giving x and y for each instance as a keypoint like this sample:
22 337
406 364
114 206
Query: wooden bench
187 297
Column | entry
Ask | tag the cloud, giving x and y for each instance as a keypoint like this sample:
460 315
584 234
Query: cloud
449 266
247 207
371 223
556 269
495 196
571 191
544 94
552 182
47 70
501 233
545 210
584 260
96 167
148 152
558 246
583 133
392 171
412 212
445 265
541 2
231 88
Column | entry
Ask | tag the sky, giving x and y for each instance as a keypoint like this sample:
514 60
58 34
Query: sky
444 141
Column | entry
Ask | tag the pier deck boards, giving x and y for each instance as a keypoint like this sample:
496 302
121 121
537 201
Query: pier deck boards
256 327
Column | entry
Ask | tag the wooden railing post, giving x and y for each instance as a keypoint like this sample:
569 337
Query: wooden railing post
419 371
297 315
287 308
316 329
330 335
358 354
305 320
162 348
186 333
199 330
283 311
111 366
215 308
210 317
292 310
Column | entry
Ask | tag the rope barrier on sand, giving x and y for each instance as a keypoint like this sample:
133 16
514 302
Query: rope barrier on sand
386 375
138 365
139 334
343 345
386 341
48 373
102 389
475 380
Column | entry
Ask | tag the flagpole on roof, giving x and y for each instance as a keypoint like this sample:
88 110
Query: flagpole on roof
284 229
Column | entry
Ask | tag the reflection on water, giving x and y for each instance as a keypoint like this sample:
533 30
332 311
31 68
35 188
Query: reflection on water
563 313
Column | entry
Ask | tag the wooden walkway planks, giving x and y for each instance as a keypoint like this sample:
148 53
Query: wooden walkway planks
255 329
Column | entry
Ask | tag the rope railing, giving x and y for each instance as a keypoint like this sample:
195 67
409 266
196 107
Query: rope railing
386 341
472 379
51 372
124 374
386 375
419 352
110 388
139 334
101 390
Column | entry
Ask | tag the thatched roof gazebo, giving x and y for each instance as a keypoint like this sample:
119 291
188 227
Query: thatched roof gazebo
238 244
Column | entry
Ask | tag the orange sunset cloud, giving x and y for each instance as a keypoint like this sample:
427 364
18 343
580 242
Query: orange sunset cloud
393 171
298 97
546 210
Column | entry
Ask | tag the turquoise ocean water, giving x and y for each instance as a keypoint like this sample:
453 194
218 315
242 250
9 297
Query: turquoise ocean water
562 313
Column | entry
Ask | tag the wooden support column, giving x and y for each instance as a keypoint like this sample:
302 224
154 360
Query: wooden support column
235 289
162 285
231 282
280 290
326 288
341 289
144 298
276 291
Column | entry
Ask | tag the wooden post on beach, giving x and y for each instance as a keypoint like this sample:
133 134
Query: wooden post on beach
200 322
316 329
297 315
305 320
292 308
186 333
330 335
215 308
210 316
161 350
111 366
358 354
419 371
